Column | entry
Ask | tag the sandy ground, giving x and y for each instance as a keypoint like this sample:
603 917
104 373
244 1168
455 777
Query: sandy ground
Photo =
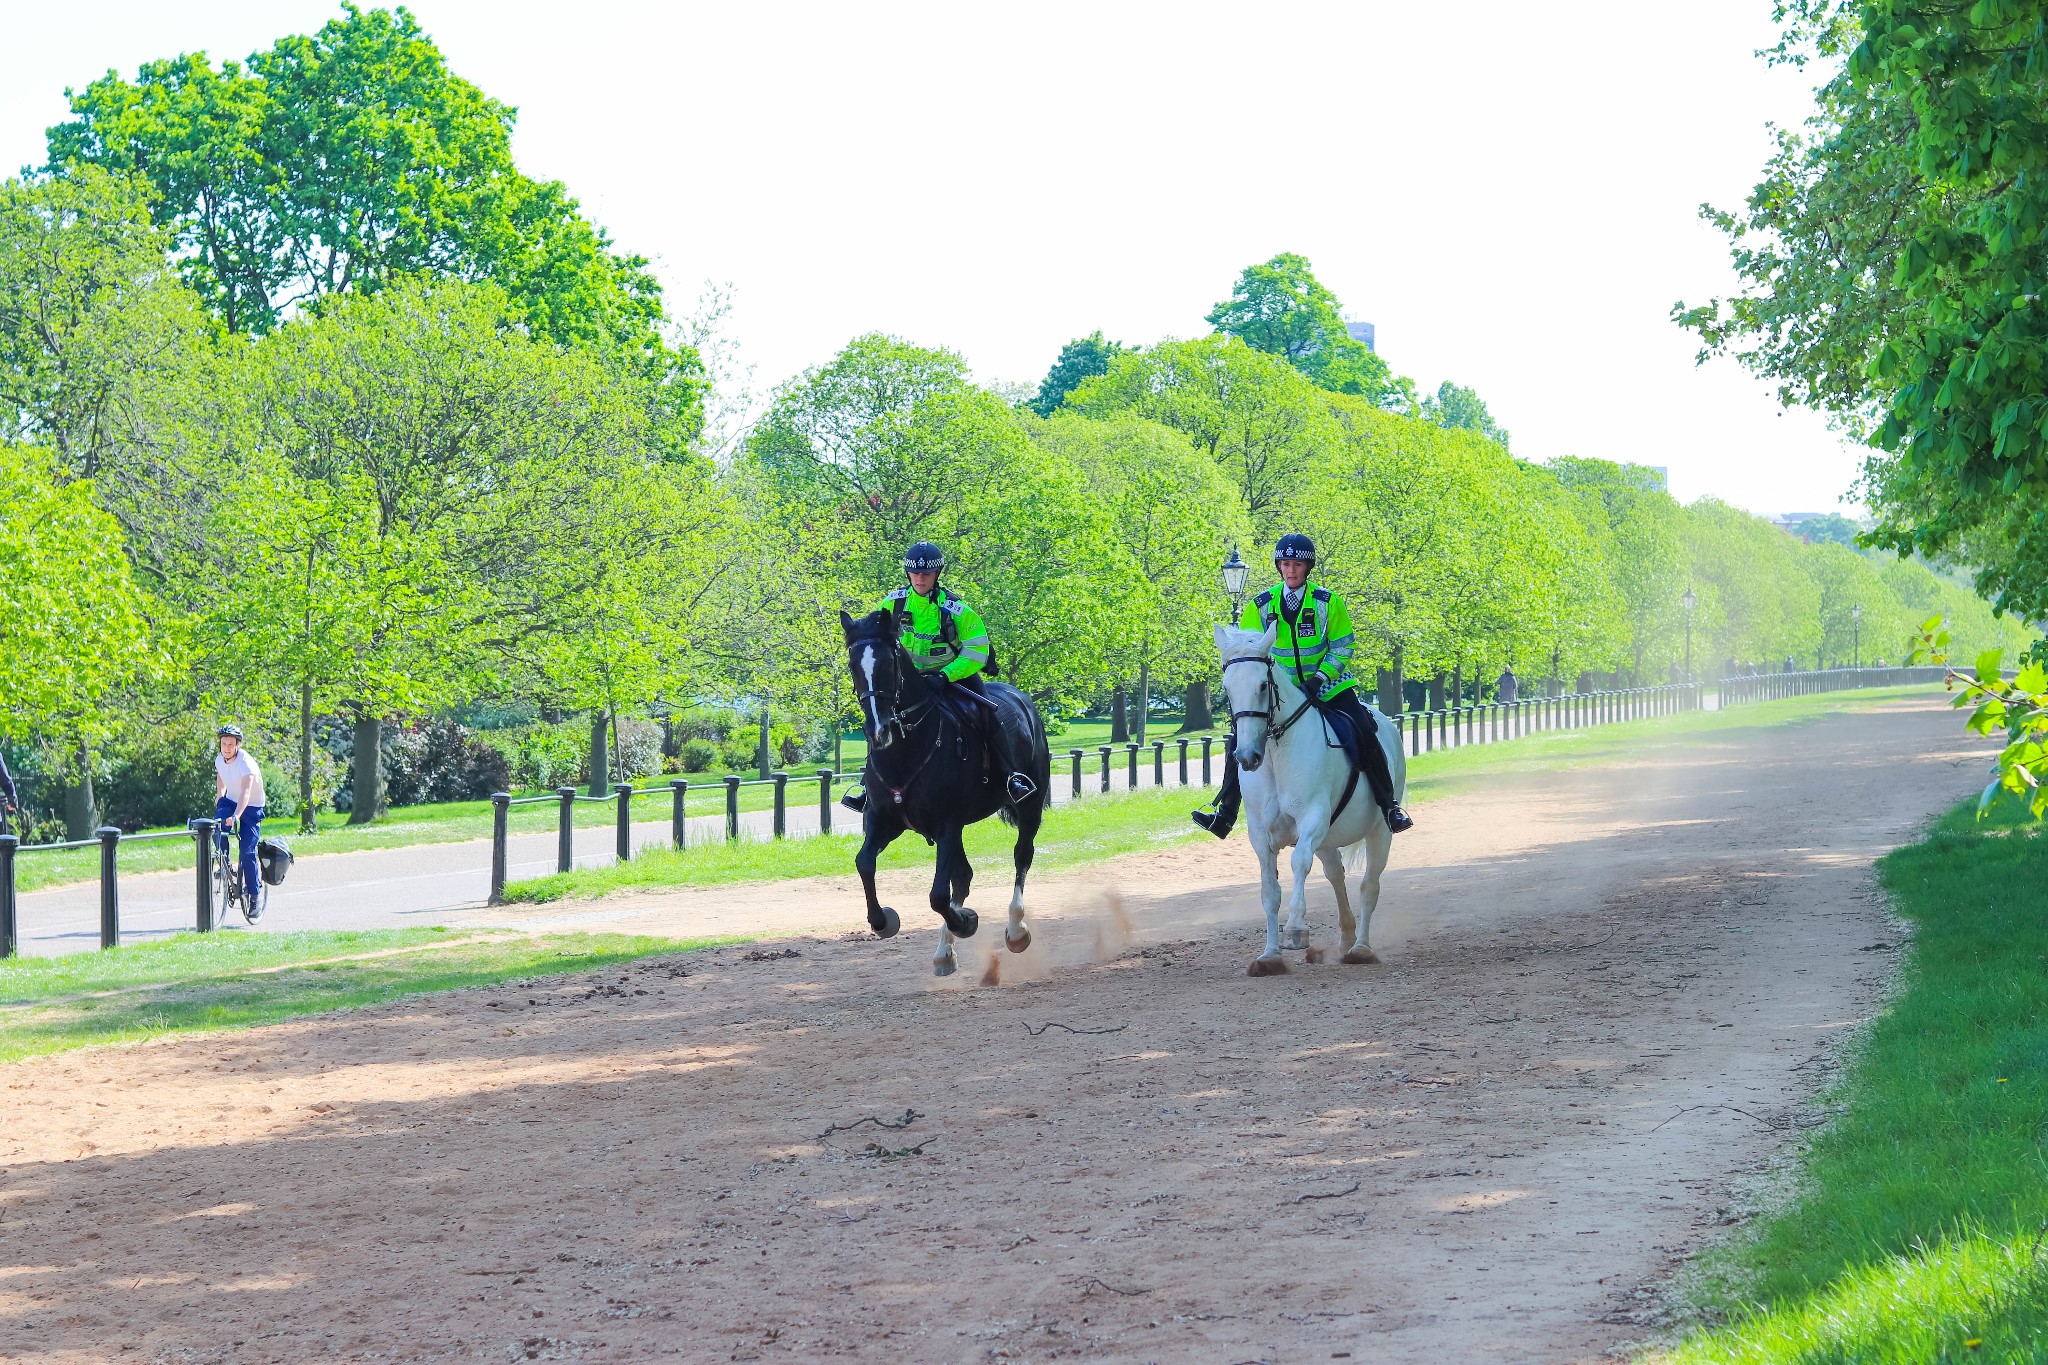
1603 993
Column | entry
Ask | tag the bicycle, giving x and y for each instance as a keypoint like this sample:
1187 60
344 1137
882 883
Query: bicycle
228 891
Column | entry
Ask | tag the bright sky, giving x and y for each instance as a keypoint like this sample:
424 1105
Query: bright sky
1507 191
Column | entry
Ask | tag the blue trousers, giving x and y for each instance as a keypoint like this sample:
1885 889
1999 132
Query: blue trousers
246 834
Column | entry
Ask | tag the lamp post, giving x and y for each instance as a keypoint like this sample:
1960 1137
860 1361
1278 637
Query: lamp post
1856 634
1236 573
1689 601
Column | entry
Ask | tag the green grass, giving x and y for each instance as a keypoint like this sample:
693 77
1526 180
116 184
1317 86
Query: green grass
228 980
1917 1232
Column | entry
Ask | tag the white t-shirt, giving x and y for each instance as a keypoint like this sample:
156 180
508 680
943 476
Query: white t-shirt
232 775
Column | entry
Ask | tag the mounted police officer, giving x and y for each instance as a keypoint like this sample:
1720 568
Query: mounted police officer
949 644
1313 643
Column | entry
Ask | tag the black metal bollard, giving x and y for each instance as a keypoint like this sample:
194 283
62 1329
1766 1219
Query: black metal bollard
781 803
825 801
1131 778
9 929
202 847
1158 762
110 893
678 813
732 808
565 830
501 813
1075 755
625 849
1183 761
1105 767
1207 740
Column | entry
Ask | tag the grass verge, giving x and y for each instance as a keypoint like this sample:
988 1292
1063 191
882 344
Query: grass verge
1103 826
1920 1230
224 981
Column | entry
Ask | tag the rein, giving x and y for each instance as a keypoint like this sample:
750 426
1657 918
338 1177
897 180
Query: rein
1272 694
903 720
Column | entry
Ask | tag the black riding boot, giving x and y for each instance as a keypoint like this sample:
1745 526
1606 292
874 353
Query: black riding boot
1223 818
1379 777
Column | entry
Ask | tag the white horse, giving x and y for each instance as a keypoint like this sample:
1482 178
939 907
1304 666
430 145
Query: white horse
1294 778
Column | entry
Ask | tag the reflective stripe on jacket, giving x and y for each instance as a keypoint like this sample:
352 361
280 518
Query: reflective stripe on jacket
1318 640
943 634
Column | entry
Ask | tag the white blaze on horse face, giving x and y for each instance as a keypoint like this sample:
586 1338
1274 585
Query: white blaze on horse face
867 670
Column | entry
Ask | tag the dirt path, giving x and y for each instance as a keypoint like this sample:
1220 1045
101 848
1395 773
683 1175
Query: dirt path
1497 1145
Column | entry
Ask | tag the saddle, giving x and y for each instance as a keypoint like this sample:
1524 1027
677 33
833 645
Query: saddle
1339 725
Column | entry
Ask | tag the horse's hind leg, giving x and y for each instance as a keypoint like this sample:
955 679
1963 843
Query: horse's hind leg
1017 934
1379 844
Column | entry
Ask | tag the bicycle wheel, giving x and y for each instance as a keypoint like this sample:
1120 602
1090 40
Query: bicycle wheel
253 907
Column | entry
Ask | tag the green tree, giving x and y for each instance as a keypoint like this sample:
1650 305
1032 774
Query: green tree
93 321
1282 309
1641 538
1756 604
1257 417
1082 358
1830 528
344 160
1462 408
1176 515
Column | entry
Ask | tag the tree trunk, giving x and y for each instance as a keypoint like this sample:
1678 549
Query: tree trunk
1199 715
366 801
763 756
308 822
1458 685
1144 701
81 807
1119 722
600 761
1437 699
1390 687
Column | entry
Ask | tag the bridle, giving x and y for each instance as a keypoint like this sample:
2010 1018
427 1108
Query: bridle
902 720
1270 693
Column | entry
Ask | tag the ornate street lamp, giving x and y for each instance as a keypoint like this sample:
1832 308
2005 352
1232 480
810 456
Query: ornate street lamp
1236 573
1856 628
1689 601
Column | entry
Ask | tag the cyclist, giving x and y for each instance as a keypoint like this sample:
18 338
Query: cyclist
238 801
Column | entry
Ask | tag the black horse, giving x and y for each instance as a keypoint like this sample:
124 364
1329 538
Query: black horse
929 770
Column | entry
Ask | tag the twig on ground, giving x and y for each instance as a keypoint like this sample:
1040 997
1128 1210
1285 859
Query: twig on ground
1021 1241
910 1116
1334 1194
507 1270
1512 1018
1035 1032
1775 1126
881 1153
1127 1293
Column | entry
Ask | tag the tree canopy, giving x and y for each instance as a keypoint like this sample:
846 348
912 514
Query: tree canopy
1281 308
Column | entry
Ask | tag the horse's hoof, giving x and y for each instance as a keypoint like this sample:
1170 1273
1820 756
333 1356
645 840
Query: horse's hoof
1360 957
961 920
1268 966
1294 938
944 966
1019 943
885 924
1317 955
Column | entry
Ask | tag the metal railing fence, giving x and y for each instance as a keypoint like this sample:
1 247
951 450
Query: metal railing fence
1776 686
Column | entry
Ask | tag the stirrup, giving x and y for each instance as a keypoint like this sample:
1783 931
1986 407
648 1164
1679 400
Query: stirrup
1398 820
1216 822
856 799
1021 787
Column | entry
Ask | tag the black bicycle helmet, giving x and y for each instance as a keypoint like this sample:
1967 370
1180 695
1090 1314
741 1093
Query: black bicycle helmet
229 731
1295 545
924 557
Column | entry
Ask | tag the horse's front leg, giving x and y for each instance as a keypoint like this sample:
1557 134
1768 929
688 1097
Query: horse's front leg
1379 844
879 832
1308 834
1268 962
960 922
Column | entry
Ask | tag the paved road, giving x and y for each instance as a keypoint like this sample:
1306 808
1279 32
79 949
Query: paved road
399 887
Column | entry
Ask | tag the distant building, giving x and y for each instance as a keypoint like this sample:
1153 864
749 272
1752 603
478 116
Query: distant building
1791 521
1360 331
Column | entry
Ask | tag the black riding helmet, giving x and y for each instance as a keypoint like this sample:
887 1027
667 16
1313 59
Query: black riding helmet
229 732
1295 545
924 557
